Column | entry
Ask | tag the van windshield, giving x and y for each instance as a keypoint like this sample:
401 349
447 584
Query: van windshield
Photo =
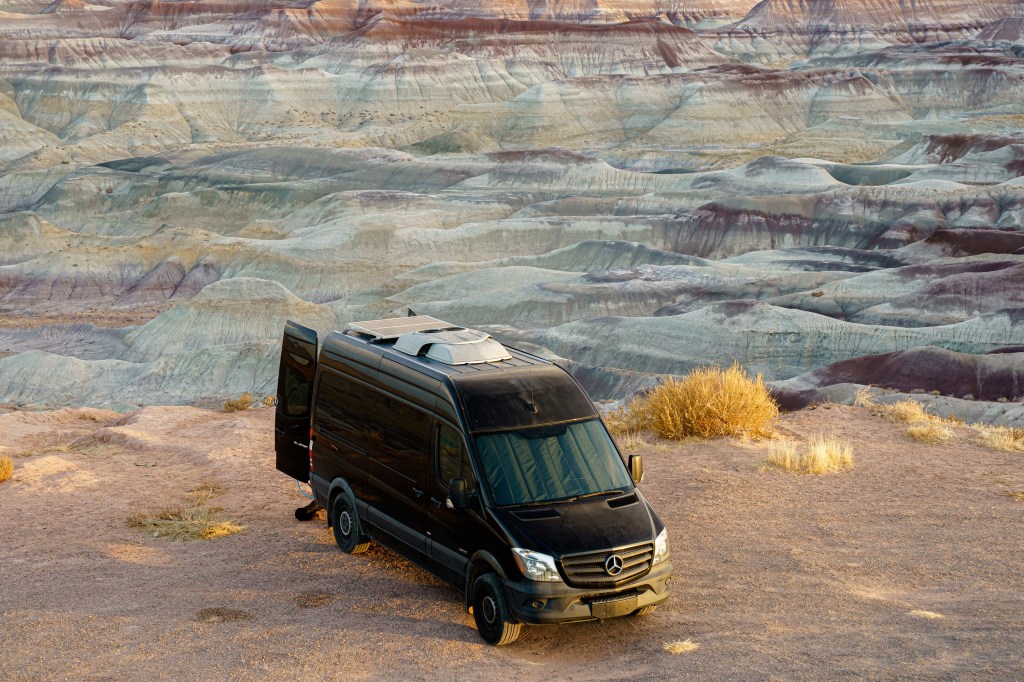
551 463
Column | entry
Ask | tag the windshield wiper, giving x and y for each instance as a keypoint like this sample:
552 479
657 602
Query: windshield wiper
558 500
597 494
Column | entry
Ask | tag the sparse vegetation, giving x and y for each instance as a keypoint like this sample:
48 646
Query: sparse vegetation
823 455
925 427
239 404
933 432
6 468
630 441
930 615
194 522
907 411
1003 438
922 425
683 647
709 402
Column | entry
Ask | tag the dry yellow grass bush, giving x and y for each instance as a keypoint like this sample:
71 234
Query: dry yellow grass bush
823 455
1003 438
907 411
242 402
708 402
195 522
185 523
6 468
864 398
933 432
683 647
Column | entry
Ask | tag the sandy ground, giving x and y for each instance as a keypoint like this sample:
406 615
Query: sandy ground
910 566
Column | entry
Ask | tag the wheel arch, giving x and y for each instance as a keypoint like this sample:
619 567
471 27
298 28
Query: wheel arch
481 562
339 486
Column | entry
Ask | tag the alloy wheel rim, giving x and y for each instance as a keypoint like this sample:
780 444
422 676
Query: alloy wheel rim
490 610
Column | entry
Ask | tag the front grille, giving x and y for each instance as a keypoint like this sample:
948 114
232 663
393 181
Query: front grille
587 570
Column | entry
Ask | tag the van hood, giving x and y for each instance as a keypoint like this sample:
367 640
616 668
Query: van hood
587 525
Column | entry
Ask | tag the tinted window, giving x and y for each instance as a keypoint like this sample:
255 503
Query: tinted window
357 413
452 458
551 463
406 438
296 388
522 398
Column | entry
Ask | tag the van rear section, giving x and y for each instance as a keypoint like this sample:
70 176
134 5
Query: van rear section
486 465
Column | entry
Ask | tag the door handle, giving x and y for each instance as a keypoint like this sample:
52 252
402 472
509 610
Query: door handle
417 492
437 503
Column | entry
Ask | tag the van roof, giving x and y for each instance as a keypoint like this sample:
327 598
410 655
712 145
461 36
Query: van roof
384 344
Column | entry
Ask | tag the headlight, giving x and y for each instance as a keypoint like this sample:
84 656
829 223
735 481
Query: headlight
536 566
661 547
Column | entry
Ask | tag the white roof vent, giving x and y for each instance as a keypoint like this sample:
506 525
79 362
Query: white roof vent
453 346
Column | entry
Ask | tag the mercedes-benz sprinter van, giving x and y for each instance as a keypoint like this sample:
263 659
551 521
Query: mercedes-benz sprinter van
486 465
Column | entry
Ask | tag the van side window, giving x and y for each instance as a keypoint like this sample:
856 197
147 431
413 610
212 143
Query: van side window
452 458
352 411
296 389
406 437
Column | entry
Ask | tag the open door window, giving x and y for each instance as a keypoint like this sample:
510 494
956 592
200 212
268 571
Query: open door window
295 400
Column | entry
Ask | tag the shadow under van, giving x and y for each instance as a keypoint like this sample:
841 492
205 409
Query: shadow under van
488 466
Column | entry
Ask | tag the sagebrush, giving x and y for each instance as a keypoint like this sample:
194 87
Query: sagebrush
6 468
708 402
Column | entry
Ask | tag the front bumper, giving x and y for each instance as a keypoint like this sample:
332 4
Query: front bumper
543 602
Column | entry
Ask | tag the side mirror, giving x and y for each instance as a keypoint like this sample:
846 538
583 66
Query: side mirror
457 498
636 468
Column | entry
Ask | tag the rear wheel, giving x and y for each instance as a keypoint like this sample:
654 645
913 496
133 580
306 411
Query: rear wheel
347 530
644 610
494 620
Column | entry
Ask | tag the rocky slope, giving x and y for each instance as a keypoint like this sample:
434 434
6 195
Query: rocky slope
637 188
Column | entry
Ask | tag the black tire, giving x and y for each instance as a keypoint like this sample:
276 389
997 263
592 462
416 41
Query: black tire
348 532
644 610
494 620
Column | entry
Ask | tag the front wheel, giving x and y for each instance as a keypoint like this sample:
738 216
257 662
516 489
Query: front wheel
347 530
494 620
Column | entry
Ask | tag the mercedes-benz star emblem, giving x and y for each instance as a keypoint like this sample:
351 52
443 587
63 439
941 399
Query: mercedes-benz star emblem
613 564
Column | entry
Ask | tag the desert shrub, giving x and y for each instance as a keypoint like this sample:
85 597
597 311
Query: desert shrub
823 455
242 402
1002 438
185 523
907 411
6 468
269 400
194 522
707 402
683 647
864 398
934 432
629 419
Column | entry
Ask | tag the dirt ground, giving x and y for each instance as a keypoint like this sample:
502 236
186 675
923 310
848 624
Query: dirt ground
909 566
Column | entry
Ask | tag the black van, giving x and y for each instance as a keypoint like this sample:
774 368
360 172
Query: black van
486 465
